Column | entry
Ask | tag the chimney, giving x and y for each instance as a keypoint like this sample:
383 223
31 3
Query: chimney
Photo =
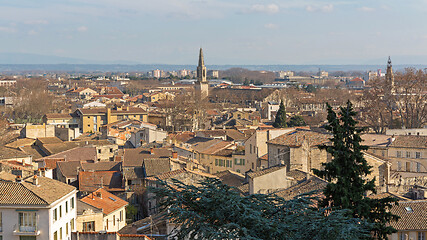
174 154
35 180
18 179
151 150
391 139
98 194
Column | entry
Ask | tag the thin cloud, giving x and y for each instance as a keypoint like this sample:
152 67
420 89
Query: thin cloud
7 29
366 9
82 29
260 8
32 32
323 8
36 22
271 26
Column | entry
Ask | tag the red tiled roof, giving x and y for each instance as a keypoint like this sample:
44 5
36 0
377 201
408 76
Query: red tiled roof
296 138
104 200
357 80
171 174
110 180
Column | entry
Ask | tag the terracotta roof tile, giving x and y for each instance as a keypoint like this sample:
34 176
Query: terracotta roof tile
264 171
104 200
92 180
411 141
171 174
26 193
296 138
413 215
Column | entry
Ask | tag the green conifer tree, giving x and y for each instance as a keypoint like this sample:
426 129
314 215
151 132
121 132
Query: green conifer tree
280 121
347 172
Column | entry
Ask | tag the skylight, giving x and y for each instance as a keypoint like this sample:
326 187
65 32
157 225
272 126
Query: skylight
112 199
409 209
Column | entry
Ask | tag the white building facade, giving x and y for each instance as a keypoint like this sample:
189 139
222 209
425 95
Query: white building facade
37 208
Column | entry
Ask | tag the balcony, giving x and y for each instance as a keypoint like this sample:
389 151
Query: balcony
20 230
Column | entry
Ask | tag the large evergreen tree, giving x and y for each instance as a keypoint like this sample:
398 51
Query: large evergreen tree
347 173
296 121
280 121
213 210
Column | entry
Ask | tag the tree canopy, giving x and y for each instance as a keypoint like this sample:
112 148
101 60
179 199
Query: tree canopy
213 210
280 121
347 174
296 121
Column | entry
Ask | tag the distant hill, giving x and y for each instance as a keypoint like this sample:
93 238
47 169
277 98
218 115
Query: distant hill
26 62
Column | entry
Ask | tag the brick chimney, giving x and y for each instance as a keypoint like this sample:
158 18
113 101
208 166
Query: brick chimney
35 180
174 154
18 179
151 150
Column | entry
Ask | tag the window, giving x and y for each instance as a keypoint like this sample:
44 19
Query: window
72 224
90 226
114 220
418 167
408 166
403 236
27 221
99 150
417 154
55 214
66 229
421 236
408 154
60 234
399 154
72 203
399 166
121 215
111 150
55 235
60 211
250 148
66 207
216 162
1 223
254 149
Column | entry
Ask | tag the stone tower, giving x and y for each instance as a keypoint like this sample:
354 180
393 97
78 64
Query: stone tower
389 78
202 86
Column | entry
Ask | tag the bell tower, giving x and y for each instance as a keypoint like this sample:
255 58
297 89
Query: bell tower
202 86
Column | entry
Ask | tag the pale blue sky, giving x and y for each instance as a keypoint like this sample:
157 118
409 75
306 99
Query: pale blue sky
230 31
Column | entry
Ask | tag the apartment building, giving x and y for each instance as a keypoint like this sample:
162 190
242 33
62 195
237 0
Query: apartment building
91 120
36 208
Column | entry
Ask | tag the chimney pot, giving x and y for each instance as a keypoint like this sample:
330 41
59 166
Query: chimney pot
18 179
35 180
151 150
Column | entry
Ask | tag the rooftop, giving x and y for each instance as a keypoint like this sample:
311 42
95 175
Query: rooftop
104 200
25 192
296 138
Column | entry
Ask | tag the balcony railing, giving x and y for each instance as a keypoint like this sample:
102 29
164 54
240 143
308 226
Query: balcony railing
26 230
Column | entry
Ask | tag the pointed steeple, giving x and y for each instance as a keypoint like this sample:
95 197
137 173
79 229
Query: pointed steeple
201 60
201 69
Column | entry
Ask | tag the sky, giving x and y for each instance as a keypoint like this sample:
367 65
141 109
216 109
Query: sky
230 31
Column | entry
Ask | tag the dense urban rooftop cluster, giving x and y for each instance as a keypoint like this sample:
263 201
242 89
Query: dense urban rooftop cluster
78 153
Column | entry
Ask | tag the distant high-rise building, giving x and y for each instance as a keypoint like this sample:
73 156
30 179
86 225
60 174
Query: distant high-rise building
201 87
283 74
157 73
213 73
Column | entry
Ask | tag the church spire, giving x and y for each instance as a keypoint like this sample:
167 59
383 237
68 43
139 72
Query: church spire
201 69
